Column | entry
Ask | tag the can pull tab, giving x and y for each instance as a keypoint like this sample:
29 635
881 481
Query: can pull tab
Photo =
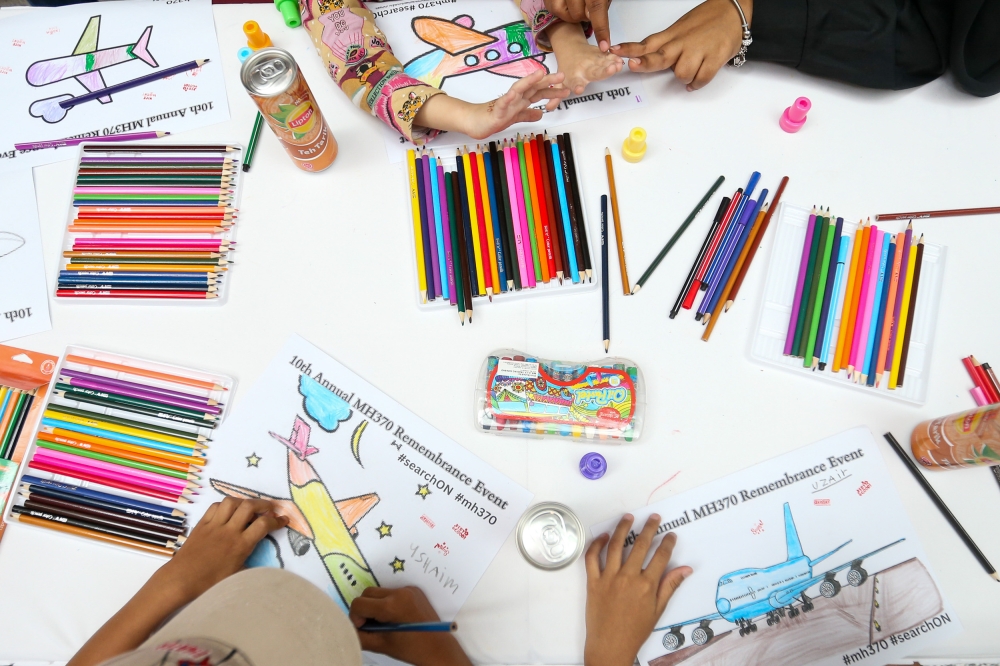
551 536
269 70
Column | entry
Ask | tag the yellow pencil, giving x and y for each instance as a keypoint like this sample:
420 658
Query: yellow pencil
904 312
845 314
488 214
122 430
474 223
418 239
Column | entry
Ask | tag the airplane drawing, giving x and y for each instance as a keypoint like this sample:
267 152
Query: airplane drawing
508 50
315 518
84 64
746 595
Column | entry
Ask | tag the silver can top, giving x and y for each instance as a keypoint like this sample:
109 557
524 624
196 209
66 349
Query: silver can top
268 72
550 536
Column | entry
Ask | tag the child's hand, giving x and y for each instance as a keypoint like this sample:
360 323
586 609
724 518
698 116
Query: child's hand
220 543
578 11
578 60
624 601
696 47
406 604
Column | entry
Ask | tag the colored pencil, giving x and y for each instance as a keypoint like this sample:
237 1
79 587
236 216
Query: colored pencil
92 534
574 268
75 392
576 221
89 433
524 254
110 482
867 302
433 224
146 411
953 212
719 261
483 278
677 234
991 394
258 123
854 269
483 244
897 309
578 205
975 375
98 517
92 419
605 305
869 242
162 148
942 507
132 83
449 259
728 254
561 224
59 518
609 167
486 222
890 304
992 377
458 237
544 213
827 340
111 470
148 388
456 272
90 160
154 211
809 250
439 627
904 317
532 230
697 284
57 502
717 293
514 270
62 143
876 299
467 212
133 293
496 225
124 461
535 214
439 226
744 265
689 280
821 265
81 492
551 210
142 398
827 305
112 447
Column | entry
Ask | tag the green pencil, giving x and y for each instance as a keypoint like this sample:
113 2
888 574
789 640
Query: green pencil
455 254
527 208
824 271
146 467
142 425
72 391
806 284
814 284
254 138
15 418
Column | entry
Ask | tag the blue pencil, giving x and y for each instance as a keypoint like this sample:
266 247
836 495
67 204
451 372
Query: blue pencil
715 290
845 245
436 203
713 266
119 437
883 303
726 253
564 209
70 496
828 292
876 304
496 214
98 495
6 399
441 627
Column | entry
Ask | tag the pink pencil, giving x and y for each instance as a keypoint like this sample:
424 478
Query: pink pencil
869 301
86 189
53 461
60 143
869 257
515 214
207 244
803 265
515 165
152 477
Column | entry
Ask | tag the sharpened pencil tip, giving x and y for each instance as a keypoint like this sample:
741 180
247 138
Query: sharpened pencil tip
635 289
607 343
996 577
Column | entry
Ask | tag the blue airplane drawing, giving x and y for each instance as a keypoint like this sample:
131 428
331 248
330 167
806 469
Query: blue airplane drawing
746 595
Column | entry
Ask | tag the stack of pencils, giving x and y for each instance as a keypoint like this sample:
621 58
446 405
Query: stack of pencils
14 407
985 390
871 281
727 252
151 224
507 219
120 446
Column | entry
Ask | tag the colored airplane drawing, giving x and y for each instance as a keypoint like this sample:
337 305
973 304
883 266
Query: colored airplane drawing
508 50
84 64
746 595
315 518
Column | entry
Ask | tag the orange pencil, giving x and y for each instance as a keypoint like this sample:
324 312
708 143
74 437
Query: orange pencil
856 299
546 212
483 250
852 273
890 300
143 372
117 453
91 534
544 249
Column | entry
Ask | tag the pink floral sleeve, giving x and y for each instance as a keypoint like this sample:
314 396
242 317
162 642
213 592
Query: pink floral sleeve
538 19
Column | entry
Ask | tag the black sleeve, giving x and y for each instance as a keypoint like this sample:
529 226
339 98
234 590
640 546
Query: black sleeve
893 44
975 46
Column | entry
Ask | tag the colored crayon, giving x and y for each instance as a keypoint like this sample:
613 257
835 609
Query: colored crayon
913 306
689 280
574 269
876 300
530 229
836 294
904 316
888 324
898 307
870 245
438 233
827 305
497 242
854 270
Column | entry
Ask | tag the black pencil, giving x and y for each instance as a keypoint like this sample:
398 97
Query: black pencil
166 524
911 312
493 176
576 246
102 519
465 204
513 266
581 223
606 312
544 157
159 148
723 205
461 257
942 507
162 542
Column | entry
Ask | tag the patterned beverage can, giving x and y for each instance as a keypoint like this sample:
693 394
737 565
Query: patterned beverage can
275 83
550 536
966 439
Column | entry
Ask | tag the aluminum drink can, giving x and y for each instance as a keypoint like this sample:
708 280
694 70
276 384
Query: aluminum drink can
550 536
275 83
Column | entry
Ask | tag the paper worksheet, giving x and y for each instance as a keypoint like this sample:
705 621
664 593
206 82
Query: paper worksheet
475 50
376 495
49 56
24 302
806 559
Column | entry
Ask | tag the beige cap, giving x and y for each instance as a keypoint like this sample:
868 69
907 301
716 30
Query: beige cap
270 616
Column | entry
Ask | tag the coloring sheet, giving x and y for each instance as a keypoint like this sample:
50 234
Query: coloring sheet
49 56
475 50
806 559
24 299
376 495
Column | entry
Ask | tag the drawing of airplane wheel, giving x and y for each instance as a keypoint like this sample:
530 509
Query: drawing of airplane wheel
753 628
701 635
856 576
673 639
829 588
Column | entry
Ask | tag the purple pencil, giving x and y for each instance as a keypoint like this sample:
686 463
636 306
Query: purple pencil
110 381
144 395
903 265
803 265
449 260
726 254
425 162
866 303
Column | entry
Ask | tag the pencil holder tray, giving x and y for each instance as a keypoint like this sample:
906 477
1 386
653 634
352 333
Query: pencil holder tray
518 394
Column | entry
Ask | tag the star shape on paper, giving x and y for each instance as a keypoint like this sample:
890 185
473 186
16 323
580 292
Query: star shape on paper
253 460
384 530
423 491
397 564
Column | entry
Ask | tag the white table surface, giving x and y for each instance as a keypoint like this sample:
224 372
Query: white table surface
329 256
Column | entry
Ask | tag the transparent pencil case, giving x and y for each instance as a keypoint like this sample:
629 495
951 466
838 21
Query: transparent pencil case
518 394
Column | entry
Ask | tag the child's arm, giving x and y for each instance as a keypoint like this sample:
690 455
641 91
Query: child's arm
218 546
407 604
624 601
580 11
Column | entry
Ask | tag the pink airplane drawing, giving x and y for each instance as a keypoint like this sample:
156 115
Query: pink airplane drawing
84 65
508 50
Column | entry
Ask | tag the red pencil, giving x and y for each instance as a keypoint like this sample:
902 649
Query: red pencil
132 293
484 244
984 382
154 211
543 210
697 283
550 209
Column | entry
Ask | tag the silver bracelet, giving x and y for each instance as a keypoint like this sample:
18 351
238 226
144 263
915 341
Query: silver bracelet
741 57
